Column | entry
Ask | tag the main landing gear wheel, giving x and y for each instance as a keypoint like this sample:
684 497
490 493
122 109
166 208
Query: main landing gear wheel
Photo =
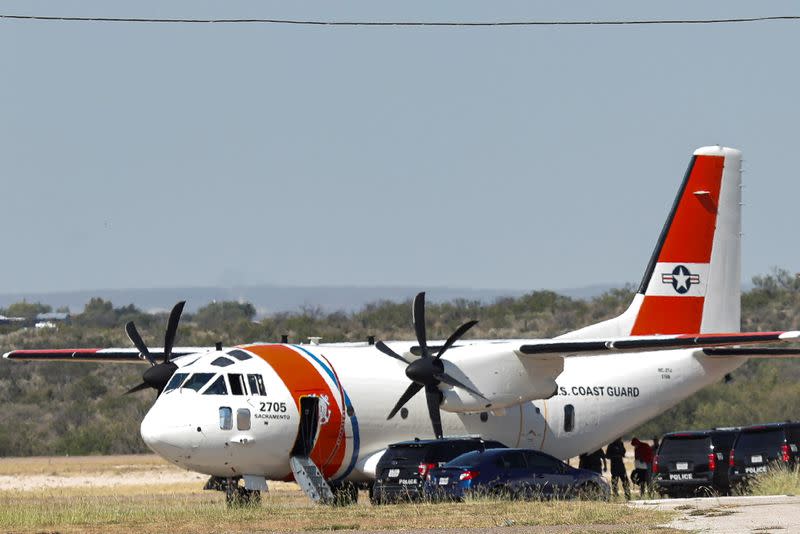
238 496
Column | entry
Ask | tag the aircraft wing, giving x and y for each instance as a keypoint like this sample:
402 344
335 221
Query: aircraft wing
658 342
114 355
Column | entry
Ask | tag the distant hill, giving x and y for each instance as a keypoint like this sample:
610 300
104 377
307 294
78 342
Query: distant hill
273 299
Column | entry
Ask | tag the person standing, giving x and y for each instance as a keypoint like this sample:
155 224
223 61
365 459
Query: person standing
643 460
596 461
615 452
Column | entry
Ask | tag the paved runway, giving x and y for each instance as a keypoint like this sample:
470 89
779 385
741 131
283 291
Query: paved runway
724 515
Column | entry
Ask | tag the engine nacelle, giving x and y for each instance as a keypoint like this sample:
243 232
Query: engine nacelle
500 374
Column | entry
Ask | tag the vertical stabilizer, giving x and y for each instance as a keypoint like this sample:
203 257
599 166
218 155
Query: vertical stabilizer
692 283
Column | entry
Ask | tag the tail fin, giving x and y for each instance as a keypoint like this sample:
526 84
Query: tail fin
692 283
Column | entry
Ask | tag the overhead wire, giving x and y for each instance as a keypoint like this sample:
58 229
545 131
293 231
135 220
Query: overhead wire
301 22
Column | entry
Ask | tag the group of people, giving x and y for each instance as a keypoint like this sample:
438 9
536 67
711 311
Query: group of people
615 454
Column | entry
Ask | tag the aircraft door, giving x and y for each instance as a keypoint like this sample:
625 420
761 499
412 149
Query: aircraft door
309 424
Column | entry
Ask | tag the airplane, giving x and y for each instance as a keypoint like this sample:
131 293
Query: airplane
324 414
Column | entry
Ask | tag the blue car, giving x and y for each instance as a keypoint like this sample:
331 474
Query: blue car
516 473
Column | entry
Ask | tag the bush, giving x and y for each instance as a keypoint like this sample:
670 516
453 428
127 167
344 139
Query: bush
779 480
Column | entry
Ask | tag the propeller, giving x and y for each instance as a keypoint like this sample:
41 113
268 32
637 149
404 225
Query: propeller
427 372
158 375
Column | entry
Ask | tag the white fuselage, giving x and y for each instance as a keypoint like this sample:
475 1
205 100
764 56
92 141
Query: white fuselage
607 396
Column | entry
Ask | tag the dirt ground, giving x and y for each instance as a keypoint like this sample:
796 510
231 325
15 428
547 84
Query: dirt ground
732 515
146 494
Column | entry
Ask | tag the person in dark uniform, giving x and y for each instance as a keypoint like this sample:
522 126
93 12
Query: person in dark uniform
615 452
582 461
596 461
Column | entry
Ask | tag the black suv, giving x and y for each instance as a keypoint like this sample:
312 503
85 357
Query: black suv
687 463
401 471
760 446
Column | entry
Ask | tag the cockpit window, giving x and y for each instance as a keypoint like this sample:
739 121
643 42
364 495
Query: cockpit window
237 384
217 387
222 362
176 381
239 355
256 385
197 381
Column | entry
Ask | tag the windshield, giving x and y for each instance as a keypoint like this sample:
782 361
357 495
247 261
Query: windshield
217 388
197 381
176 381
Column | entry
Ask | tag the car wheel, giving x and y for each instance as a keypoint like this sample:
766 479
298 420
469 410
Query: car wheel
375 495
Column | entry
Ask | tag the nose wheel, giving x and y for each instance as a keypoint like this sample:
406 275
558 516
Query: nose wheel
236 495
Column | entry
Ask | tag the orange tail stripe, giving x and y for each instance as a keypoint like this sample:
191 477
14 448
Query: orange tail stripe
669 315
691 233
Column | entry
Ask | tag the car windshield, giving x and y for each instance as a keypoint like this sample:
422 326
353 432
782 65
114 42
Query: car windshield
468 459
682 445
759 440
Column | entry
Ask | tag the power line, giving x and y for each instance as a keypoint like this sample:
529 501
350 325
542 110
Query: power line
405 23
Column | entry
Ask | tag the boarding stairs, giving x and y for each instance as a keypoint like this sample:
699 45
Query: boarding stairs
307 474
310 479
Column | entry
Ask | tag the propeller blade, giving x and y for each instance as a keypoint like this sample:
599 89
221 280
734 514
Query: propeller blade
418 318
137 388
434 398
172 329
412 390
455 336
136 339
447 379
381 346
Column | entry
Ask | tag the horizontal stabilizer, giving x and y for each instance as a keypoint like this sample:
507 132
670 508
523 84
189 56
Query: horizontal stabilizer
647 343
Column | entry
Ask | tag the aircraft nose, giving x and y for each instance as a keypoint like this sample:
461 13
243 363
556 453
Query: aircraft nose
167 436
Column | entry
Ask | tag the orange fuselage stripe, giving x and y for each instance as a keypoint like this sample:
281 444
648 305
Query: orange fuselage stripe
302 378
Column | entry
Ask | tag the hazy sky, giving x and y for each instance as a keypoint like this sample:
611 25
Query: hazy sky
137 155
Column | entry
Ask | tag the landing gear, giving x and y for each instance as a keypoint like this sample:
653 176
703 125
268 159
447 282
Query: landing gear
238 496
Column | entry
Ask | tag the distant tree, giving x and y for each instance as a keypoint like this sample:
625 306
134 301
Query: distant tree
28 310
223 314
98 313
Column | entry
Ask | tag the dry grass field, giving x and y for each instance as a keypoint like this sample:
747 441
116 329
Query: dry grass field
144 494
